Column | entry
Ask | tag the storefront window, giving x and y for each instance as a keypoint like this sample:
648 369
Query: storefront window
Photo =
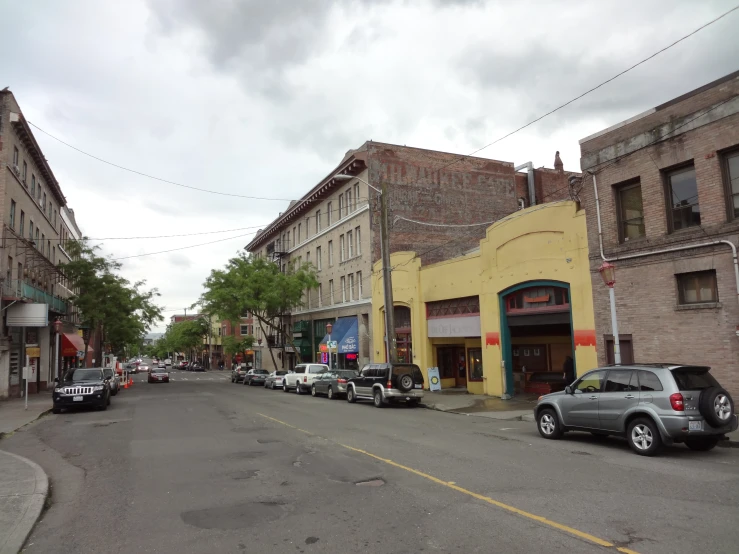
405 351
474 355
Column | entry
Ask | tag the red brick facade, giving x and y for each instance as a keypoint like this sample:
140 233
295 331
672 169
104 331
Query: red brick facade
697 128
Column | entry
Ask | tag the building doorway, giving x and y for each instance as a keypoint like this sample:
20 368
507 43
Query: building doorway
538 347
452 362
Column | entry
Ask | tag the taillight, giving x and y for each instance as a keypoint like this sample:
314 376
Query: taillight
677 403
389 385
342 381
305 379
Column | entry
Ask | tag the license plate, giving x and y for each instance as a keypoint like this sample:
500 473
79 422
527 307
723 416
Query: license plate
695 426
78 398
418 386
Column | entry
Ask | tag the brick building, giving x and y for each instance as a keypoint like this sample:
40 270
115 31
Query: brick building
668 191
335 226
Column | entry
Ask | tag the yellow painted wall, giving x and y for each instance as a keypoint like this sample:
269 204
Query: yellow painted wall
546 242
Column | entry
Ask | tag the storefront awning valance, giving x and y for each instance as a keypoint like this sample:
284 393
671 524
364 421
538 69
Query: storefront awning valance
342 329
349 344
72 344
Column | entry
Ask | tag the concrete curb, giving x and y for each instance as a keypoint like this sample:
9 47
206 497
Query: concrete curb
488 415
32 511
34 420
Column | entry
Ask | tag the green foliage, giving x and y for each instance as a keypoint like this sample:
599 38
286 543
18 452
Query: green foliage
232 345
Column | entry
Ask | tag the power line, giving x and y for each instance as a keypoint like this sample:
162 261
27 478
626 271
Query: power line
181 248
401 218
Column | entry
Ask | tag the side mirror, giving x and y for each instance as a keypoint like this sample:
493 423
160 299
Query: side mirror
56 379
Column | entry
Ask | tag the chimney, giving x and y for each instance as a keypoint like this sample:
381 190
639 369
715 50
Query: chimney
558 165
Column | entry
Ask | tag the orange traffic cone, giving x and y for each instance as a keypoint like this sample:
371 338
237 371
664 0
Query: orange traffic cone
130 383
125 384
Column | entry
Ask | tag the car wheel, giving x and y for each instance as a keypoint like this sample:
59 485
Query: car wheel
330 393
377 397
405 382
103 407
548 424
56 410
284 386
643 437
297 389
313 390
716 406
350 395
702 444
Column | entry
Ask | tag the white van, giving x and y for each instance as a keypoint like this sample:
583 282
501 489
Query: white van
301 378
168 362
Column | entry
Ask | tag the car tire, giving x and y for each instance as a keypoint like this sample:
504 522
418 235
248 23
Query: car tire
56 410
716 406
313 390
284 386
114 392
643 437
330 393
703 444
103 407
298 390
377 398
351 396
405 382
548 424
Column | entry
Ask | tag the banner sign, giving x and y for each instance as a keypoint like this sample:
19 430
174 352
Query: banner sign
434 379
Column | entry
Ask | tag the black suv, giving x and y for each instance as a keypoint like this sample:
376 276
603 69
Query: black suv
387 383
82 387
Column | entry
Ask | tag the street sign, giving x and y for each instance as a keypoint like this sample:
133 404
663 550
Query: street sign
332 344
33 351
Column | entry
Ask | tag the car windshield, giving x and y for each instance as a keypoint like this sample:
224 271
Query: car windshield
279 373
84 375
694 379
108 372
261 372
159 370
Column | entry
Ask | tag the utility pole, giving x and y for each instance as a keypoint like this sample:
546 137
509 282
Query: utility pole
390 339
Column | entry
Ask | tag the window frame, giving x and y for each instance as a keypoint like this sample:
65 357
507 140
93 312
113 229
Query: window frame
22 228
330 253
620 216
358 241
331 290
350 244
11 218
730 194
342 242
348 196
329 208
318 221
351 287
666 177
341 206
320 295
679 277
359 285
319 258
343 289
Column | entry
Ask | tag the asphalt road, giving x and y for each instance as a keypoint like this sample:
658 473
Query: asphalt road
203 465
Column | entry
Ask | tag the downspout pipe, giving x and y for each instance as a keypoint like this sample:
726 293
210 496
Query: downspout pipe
532 189
662 250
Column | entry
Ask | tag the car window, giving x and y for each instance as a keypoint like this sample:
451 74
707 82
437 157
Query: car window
621 381
694 379
407 368
299 369
591 382
318 369
261 371
280 373
108 372
649 382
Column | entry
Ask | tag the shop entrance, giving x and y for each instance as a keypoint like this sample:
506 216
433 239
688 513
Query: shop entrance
537 338
452 362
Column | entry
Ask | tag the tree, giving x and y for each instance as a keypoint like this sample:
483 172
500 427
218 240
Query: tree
232 345
249 284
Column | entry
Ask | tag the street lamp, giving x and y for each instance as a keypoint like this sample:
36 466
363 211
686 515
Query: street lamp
608 274
392 353
329 328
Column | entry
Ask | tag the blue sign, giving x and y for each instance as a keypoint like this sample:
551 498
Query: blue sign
350 341
434 379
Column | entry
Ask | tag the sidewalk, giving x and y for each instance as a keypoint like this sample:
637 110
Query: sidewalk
13 414
23 490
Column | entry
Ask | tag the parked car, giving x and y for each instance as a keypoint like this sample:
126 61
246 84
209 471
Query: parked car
650 404
81 387
112 378
131 368
274 380
386 383
168 362
302 377
161 365
182 364
237 374
197 366
256 377
332 383
158 375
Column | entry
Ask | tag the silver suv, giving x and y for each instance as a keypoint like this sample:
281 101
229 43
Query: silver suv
650 404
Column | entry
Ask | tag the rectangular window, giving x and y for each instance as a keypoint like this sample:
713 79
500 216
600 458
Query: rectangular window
22 230
350 243
351 287
15 156
341 248
48 248
55 212
731 165
300 232
697 288
287 244
37 235
244 330
329 215
630 212
625 345
25 172
330 253
30 231
33 185
12 214
320 295
53 255
43 241
307 257
43 204
319 258
356 195
9 272
359 285
318 221
331 291
348 195
358 240
682 197
51 208
295 235
341 206
38 192
343 289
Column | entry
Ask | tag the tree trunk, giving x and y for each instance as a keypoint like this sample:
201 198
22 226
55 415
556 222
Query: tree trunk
261 326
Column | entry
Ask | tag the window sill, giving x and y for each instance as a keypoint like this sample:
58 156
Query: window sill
350 259
702 306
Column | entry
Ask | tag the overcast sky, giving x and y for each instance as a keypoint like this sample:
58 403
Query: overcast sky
263 98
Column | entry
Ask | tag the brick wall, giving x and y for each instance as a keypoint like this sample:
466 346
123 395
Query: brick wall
646 288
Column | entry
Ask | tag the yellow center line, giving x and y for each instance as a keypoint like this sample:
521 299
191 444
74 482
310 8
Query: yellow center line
451 485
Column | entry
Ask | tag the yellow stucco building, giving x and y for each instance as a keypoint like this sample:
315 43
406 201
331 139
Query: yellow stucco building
512 317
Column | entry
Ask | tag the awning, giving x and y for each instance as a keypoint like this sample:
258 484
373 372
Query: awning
343 327
72 344
350 343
